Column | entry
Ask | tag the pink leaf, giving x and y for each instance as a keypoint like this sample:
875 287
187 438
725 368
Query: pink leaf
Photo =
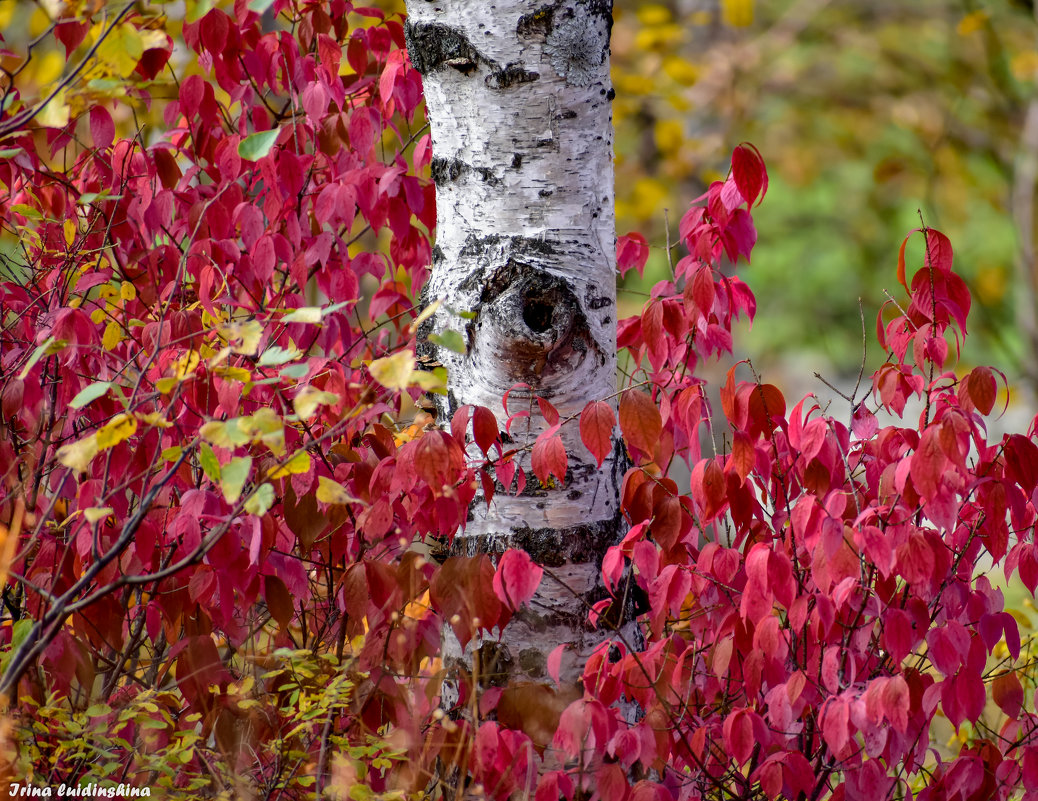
517 578
555 662
632 250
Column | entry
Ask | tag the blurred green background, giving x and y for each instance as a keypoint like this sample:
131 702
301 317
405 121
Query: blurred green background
871 115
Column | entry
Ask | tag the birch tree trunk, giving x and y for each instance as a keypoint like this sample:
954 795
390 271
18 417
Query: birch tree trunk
518 98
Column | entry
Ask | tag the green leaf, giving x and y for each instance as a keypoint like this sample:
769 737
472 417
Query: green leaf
298 370
449 339
10 152
210 464
197 9
259 6
257 145
312 314
260 501
275 355
233 476
89 393
171 454
26 211
20 632
434 381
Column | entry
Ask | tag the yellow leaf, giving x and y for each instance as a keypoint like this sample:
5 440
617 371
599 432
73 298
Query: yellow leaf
186 364
243 337
69 227
119 428
54 114
309 398
271 429
154 419
166 385
299 463
112 336
121 49
96 513
78 455
426 313
127 291
233 373
329 491
393 372
215 432
97 315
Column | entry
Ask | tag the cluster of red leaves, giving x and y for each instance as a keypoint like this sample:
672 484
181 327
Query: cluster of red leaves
198 464
817 597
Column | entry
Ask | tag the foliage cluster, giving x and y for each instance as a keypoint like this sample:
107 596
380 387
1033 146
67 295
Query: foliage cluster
219 483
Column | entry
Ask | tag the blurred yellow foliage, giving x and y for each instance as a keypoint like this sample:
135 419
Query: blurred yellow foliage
737 13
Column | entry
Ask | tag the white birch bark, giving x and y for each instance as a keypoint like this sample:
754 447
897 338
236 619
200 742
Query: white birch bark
518 97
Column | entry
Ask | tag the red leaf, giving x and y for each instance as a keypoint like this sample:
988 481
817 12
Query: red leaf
1008 693
982 388
596 429
765 405
613 567
460 423
432 459
548 412
549 456
738 735
744 455
484 427
703 291
632 250
835 720
102 129
928 463
749 172
640 421
708 488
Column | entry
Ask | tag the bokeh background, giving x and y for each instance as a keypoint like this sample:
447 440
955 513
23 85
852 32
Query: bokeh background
874 117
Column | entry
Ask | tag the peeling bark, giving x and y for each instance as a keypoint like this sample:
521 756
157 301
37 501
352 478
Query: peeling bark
518 98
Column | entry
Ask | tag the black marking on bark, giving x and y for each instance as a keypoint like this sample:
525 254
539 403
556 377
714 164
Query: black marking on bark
595 302
494 662
510 75
546 192
446 171
532 662
539 23
551 547
568 114
432 46
517 161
